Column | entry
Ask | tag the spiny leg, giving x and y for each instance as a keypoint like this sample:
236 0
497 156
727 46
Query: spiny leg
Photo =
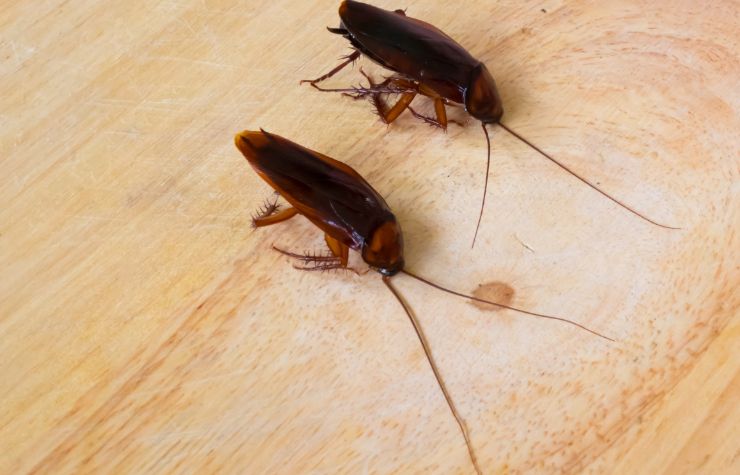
267 208
439 109
324 268
269 214
360 92
441 121
349 60
325 262
408 90
391 85
429 120
275 218
398 83
307 257
337 248
316 261
390 115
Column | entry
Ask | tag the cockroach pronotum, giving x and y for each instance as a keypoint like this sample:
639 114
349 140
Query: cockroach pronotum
352 215
426 61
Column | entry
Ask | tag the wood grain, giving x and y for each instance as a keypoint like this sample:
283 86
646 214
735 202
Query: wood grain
147 329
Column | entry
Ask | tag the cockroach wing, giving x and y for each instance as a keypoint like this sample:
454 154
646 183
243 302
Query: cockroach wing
410 47
329 193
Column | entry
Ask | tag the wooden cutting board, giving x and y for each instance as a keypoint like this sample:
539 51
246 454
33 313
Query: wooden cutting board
146 328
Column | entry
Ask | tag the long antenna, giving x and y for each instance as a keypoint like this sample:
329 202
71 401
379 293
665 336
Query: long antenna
485 186
527 312
636 213
440 381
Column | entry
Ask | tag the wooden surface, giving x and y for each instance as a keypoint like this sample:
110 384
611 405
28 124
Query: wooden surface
147 329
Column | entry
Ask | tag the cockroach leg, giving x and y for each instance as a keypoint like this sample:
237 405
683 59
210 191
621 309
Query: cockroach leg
441 121
318 262
327 267
398 84
370 79
306 257
439 109
271 215
361 92
268 208
429 120
337 248
407 89
348 60
391 85
390 115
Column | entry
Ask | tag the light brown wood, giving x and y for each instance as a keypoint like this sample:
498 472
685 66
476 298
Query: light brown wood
146 328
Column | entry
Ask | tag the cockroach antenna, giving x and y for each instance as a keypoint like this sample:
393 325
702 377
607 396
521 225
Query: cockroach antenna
485 183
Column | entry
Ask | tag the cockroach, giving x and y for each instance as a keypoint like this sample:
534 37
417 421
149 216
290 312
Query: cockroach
427 61
352 215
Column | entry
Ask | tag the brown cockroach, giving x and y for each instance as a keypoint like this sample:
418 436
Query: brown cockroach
427 61
352 215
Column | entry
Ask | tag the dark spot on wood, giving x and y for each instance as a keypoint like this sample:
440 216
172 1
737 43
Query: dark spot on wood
543 10
498 292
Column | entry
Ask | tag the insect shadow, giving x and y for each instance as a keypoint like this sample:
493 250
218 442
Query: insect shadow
426 61
352 215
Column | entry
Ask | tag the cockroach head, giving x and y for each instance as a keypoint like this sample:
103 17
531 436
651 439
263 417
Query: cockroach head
482 100
383 251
